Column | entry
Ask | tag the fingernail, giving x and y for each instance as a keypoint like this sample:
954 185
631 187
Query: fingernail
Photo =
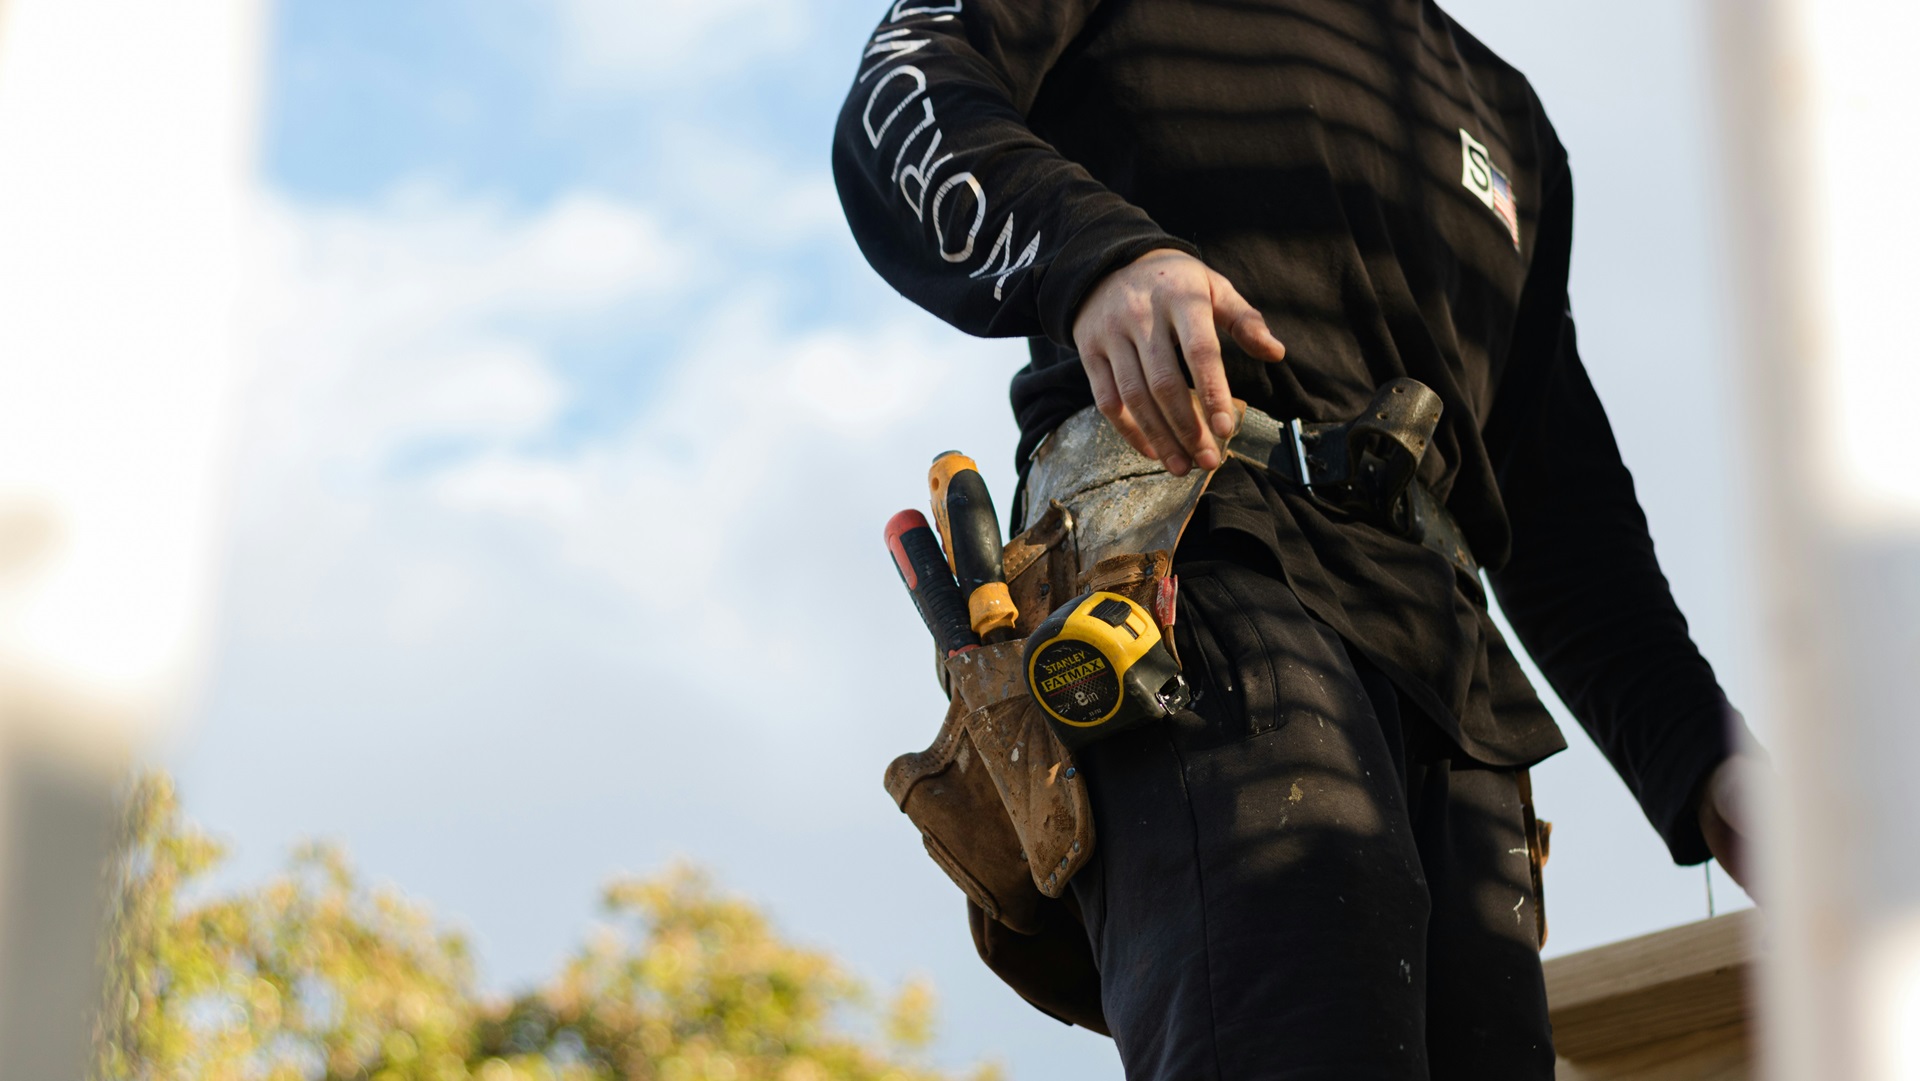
1177 464
1223 424
1209 460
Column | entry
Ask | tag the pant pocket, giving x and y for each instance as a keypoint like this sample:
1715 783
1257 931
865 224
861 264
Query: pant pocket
1235 678
1269 662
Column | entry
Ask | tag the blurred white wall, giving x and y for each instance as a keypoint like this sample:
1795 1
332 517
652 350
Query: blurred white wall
1817 98
126 130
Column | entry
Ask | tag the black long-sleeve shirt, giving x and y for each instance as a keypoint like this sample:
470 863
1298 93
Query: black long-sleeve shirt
1392 198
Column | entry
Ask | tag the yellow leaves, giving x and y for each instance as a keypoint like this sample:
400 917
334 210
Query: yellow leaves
656 1039
909 1021
399 1048
314 972
802 1070
263 1004
413 1007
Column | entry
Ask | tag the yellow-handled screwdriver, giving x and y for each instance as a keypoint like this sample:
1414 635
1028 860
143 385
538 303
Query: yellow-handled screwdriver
970 532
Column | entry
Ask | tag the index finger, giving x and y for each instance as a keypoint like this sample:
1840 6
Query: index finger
1106 396
1194 324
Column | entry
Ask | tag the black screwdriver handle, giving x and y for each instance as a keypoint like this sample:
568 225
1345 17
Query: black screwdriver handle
968 524
977 559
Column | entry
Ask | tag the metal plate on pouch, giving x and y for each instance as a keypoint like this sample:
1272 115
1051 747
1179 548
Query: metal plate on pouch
1122 502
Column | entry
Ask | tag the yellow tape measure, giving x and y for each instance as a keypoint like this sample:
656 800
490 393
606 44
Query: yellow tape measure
1099 665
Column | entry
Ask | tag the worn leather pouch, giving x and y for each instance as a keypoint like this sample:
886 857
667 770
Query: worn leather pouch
996 798
952 800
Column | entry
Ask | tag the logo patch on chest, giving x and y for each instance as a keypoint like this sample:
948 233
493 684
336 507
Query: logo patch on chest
1484 179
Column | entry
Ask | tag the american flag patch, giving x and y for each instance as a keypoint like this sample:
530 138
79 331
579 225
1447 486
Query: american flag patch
1489 184
1503 205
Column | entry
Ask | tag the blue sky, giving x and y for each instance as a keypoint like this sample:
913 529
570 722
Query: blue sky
502 99
541 456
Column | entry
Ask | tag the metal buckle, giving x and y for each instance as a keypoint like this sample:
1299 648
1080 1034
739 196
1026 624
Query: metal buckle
1297 429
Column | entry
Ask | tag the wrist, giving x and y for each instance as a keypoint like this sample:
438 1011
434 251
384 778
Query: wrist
1081 267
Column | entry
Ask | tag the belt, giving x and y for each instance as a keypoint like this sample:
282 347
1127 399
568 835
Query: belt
1122 502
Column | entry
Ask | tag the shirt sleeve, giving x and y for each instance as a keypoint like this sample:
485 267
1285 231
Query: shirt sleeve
1582 585
951 196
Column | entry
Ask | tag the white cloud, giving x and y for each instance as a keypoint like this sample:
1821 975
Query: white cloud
632 42
491 388
742 194
428 321
749 415
423 318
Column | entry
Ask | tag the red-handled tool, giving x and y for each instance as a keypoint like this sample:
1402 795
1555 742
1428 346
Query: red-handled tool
916 554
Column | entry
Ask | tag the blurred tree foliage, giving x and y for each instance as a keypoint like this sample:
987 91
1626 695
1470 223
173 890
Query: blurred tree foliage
315 975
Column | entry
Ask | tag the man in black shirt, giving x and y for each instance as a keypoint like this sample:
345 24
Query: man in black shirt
1309 875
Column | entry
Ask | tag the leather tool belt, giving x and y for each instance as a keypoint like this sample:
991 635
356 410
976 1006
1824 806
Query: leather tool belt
1123 502
997 798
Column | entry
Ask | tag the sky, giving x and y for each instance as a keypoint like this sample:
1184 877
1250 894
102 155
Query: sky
575 417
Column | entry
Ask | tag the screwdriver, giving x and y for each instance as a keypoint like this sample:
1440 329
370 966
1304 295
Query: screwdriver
916 555
971 533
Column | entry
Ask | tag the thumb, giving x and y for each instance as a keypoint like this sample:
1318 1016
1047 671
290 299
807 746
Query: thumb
1733 788
1243 322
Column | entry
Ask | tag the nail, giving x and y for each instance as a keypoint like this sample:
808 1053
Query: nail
1209 460
1223 424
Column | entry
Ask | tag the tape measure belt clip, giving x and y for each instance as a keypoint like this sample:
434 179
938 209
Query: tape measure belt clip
1366 466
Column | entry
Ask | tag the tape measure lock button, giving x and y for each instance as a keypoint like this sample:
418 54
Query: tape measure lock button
1100 665
1116 612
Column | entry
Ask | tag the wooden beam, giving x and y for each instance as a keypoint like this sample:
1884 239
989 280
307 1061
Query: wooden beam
1675 985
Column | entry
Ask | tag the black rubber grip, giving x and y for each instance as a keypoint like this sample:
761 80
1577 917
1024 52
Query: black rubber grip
975 531
923 569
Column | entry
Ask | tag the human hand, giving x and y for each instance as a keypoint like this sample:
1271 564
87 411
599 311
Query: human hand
1133 329
1726 817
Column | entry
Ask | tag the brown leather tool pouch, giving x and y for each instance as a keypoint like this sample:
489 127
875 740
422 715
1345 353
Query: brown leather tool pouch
996 798
998 801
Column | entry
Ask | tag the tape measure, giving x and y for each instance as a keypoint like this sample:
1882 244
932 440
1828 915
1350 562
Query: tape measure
1099 665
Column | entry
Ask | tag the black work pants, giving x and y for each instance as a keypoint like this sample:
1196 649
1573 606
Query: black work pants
1294 880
